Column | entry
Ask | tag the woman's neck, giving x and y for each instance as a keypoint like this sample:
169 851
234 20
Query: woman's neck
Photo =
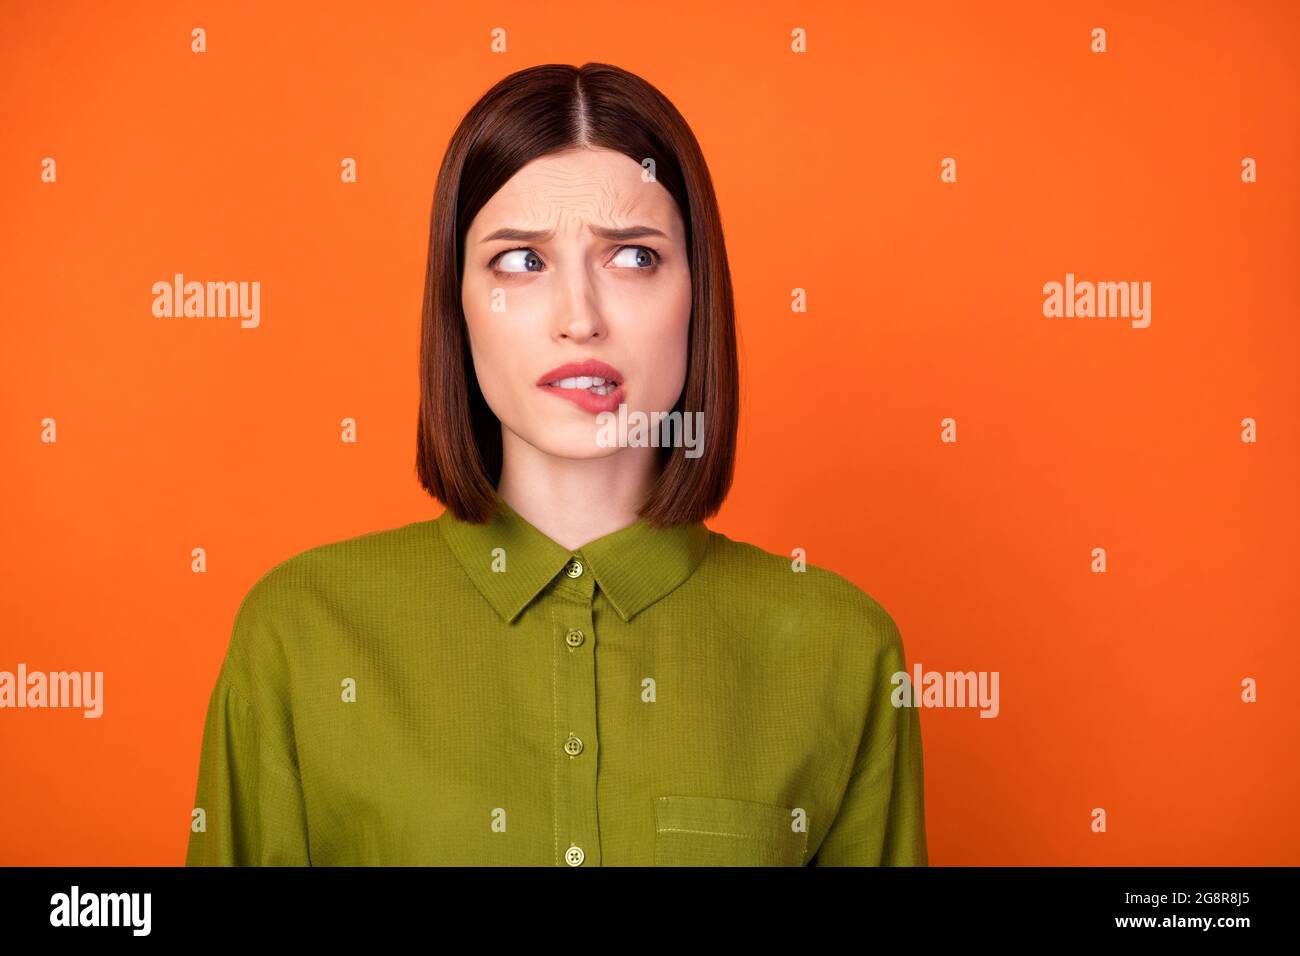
575 500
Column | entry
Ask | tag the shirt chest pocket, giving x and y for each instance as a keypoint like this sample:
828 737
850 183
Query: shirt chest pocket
717 831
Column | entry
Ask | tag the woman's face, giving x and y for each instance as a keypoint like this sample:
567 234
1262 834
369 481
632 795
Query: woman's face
577 260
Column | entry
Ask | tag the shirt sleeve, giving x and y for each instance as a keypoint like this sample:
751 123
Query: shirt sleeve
881 820
249 789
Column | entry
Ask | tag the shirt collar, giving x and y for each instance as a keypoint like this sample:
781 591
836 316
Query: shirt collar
634 566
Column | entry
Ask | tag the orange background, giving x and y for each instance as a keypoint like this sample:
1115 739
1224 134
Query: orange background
1118 690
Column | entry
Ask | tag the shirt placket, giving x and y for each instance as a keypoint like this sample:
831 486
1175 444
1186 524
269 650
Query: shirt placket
573 643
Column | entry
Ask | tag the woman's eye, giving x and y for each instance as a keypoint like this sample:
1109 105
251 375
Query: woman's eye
643 257
518 260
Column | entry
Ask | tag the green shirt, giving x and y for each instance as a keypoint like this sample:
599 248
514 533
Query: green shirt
444 693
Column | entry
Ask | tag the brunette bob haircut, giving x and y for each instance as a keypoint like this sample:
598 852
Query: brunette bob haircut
532 113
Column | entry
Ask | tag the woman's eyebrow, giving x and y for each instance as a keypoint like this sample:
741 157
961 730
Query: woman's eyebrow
539 235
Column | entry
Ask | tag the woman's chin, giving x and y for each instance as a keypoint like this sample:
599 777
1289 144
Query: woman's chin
589 450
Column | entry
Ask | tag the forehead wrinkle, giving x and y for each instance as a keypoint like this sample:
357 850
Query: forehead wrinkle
577 197
564 206
556 196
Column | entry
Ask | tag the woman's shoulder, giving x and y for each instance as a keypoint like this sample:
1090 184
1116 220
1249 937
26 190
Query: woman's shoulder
794 593
324 574
287 608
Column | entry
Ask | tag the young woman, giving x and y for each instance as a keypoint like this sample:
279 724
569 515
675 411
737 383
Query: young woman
567 667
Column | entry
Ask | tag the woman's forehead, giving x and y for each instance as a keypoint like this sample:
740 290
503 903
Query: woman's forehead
571 189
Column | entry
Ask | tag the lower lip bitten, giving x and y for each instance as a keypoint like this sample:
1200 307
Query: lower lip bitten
594 398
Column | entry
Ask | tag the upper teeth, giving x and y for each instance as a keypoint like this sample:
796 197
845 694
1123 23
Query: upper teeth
582 381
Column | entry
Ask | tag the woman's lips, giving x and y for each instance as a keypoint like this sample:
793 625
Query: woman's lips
586 399
592 385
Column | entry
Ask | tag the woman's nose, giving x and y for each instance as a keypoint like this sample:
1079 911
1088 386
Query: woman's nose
577 309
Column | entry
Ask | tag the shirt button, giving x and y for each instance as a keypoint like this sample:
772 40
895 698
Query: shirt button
574 856
573 746
574 570
574 638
